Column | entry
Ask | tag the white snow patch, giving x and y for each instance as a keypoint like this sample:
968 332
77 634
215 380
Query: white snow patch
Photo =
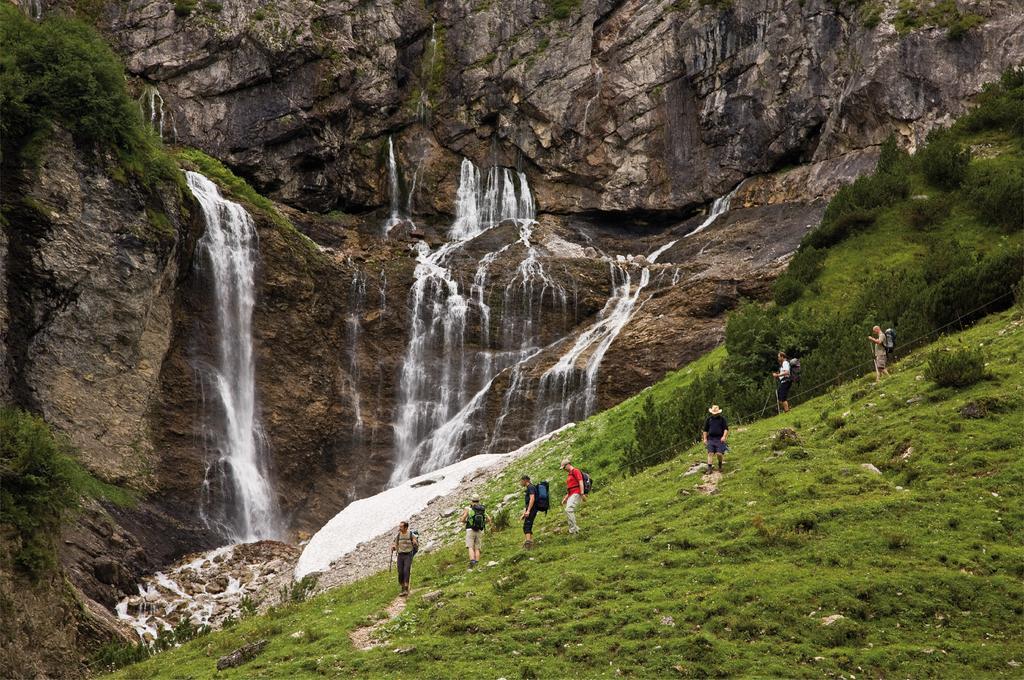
368 518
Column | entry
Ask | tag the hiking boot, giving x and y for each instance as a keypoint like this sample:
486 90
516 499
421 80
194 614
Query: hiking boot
710 469
719 466
527 545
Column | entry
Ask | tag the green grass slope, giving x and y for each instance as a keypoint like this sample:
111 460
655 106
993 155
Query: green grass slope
924 561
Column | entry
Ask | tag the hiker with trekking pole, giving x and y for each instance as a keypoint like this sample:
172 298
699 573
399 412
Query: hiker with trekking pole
406 545
785 378
714 434
882 345
475 519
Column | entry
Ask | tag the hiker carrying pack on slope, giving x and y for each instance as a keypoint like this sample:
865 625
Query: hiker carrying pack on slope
714 434
406 545
880 352
576 488
535 499
785 379
475 519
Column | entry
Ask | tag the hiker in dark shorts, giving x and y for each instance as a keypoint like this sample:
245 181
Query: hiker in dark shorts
785 381
405 545
530 513
716 431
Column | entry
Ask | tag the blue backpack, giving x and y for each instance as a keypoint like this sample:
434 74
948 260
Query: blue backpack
543 501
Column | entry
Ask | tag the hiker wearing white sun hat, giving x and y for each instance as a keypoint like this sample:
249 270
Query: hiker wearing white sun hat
716 431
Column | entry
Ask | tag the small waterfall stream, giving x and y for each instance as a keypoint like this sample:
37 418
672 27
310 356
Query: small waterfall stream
237 495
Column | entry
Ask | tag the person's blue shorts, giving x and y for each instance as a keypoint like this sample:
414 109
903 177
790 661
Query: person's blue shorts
717 446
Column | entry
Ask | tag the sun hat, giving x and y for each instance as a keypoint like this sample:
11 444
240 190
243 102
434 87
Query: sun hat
475 498
714 410
565 461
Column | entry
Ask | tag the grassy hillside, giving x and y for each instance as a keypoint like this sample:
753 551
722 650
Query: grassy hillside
920 560
923 561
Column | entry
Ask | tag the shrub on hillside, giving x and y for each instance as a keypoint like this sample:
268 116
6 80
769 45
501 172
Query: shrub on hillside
997 194
943 160
1000 106
925 214
37 486
61 71
955 368
787 290
971 292
806 264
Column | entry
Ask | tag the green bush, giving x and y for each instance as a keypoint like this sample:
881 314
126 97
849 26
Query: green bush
955 368
60 71
995 192
943 160
926 214
1000 106
37 486
787 290
563 9
806 264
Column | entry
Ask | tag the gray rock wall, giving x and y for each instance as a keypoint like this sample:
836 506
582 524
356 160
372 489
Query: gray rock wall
621 106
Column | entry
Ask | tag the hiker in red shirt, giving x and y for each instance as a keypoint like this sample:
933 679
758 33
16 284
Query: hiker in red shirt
574 494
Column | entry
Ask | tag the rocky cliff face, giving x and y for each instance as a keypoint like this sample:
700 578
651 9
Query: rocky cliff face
618 106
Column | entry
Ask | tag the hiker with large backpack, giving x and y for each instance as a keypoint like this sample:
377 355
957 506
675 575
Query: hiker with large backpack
785 377
881 349
475 519
575 493
714 434
535 499
406 546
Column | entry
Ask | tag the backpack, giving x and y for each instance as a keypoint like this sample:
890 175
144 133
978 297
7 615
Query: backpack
543 500
586 483
794 370
890 340
476 520
415 544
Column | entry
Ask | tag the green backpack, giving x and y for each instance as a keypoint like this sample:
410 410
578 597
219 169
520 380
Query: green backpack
476 519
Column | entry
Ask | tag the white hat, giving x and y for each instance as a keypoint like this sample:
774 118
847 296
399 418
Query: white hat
565 461
714 410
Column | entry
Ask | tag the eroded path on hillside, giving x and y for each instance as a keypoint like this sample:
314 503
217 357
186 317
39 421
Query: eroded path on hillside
363 638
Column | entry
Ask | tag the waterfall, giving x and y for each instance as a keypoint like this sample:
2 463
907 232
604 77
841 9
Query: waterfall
393 189
443 385
598 75
229 246
718 208
353 327
653 257
151 105
569 392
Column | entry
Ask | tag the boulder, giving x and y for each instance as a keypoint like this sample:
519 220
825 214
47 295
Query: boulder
242 655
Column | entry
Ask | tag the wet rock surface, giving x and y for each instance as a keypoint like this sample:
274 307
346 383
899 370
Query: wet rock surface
207 589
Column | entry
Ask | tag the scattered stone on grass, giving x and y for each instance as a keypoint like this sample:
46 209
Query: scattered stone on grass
830 619
871 468
432 596
242 655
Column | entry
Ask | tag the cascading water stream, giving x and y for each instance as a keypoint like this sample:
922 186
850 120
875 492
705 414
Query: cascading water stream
394 190
238 499
719 207
442 385
568 391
